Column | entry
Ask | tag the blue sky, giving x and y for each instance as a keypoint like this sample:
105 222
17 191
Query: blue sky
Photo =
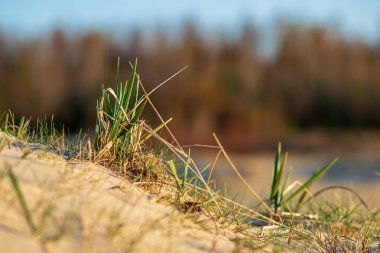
355 18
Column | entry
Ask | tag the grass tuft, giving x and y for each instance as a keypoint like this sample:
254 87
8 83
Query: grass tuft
280 197
118 115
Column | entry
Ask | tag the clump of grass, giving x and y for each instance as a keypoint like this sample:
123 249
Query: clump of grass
120 133
42 134
119 140
19 130
281 197
117 128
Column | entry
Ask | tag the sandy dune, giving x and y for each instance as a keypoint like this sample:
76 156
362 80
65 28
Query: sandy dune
81 207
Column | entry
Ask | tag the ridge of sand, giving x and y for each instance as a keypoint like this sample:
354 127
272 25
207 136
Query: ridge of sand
82 207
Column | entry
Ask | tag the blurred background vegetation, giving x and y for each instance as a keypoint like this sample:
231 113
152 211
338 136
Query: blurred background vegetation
314 77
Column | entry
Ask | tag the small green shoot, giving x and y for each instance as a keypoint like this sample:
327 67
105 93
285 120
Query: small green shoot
181 184
185 172
173 169
279 197
278 171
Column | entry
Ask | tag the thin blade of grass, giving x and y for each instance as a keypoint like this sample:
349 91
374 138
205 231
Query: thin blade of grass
278 181
20 197
240 176
117 85
135 94
174 171
275 170
130 84
186 170
137 115
338 187
6 123
148 136
107 102
309 182
213 166
284 186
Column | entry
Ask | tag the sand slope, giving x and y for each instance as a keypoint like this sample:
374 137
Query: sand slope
84 208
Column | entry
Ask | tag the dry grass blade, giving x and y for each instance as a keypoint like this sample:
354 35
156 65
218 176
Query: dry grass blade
181 155
240 176
337 187
147 97
176 150
213 166
149 135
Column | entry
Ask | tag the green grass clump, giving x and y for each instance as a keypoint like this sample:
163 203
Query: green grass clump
19 130
42 134
279 197
118 115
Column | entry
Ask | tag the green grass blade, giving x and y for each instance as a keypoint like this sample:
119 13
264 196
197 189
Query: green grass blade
21 199
301 199
6 123
284 187
185 171
275 170
135 97
174 171
309 182
130 85
281 171
137 115
132 94
118 75
117 86
148 136
278 181
134 120
52 128
115 129
107 102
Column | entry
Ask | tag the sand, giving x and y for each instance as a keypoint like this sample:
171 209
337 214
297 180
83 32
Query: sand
83 207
